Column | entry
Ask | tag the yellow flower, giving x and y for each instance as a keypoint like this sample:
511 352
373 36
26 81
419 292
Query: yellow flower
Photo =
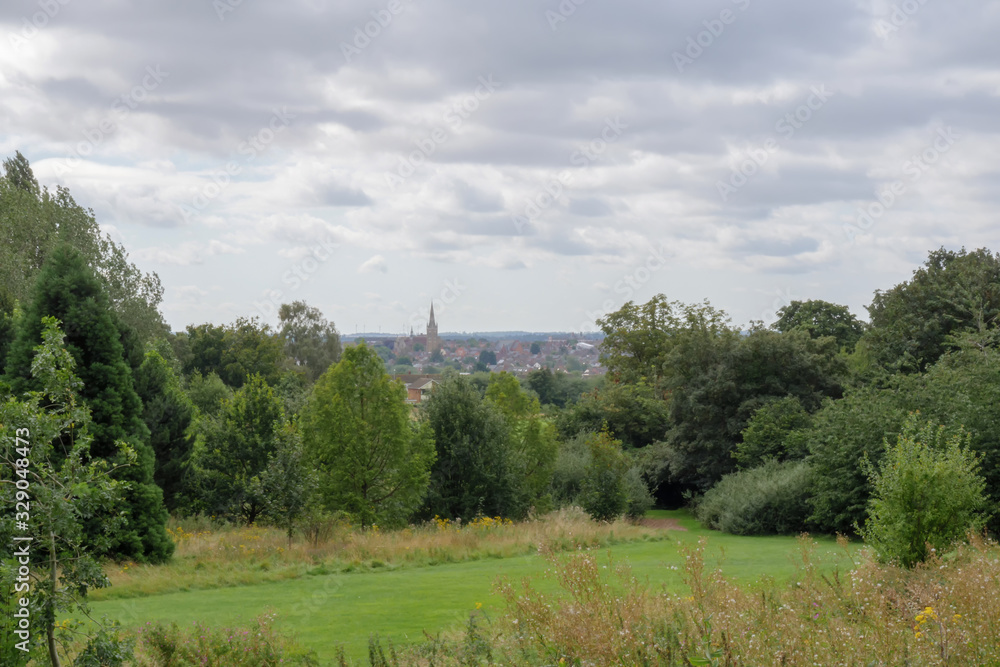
918 635
479 605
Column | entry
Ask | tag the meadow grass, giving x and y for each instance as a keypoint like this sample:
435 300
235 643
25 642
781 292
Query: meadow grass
211 555
435 594
943 612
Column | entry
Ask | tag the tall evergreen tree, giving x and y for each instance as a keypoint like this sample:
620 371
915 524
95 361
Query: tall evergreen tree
167 412
68 290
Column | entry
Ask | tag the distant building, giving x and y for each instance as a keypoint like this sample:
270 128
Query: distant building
407 345
433 342
418 387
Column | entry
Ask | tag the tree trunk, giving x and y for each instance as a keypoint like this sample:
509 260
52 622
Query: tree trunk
50 620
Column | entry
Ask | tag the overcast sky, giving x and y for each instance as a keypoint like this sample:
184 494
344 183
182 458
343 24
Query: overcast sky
524 164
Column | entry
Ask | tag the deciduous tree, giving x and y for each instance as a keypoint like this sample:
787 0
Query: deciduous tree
235 448
372 459
821 318
473 474
311 342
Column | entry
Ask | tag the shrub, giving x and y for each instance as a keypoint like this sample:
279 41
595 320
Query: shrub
602 491
570 469
926 493
638 499
257 645
770 499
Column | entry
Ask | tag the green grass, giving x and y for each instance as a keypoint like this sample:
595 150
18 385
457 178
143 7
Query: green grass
329 610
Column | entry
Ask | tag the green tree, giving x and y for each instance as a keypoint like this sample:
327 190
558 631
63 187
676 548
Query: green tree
168 413
927 493
961 389
311 342
373 460
641 339
288 484
8 323
636 414
48 467
558 389
536 348
251 348
488 357
203 347
720 383
821 318
68 290
603 492
952 292
208 392
778 430
473 474
534 444
35 221
234 352
235 448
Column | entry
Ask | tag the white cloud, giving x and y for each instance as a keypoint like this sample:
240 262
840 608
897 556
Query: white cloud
376 264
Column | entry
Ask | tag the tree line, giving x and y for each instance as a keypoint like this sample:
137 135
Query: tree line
763 429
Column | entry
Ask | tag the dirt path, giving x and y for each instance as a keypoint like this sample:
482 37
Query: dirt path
663 524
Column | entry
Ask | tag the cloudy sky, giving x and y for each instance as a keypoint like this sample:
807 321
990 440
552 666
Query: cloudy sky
524 164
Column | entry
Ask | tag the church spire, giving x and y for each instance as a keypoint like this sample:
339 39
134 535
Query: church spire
433 342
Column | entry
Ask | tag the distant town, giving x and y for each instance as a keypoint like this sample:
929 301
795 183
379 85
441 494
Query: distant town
517 352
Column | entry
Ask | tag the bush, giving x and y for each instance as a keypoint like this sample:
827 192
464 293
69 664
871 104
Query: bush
570 469
926 494
771 499
592 471
255 646
638 499
602 491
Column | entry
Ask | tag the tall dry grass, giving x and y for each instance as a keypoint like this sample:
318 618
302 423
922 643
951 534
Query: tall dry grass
210 555
944 612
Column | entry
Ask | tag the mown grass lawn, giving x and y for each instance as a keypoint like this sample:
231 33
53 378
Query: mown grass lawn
345 609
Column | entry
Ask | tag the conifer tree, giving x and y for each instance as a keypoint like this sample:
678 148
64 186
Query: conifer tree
168 413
